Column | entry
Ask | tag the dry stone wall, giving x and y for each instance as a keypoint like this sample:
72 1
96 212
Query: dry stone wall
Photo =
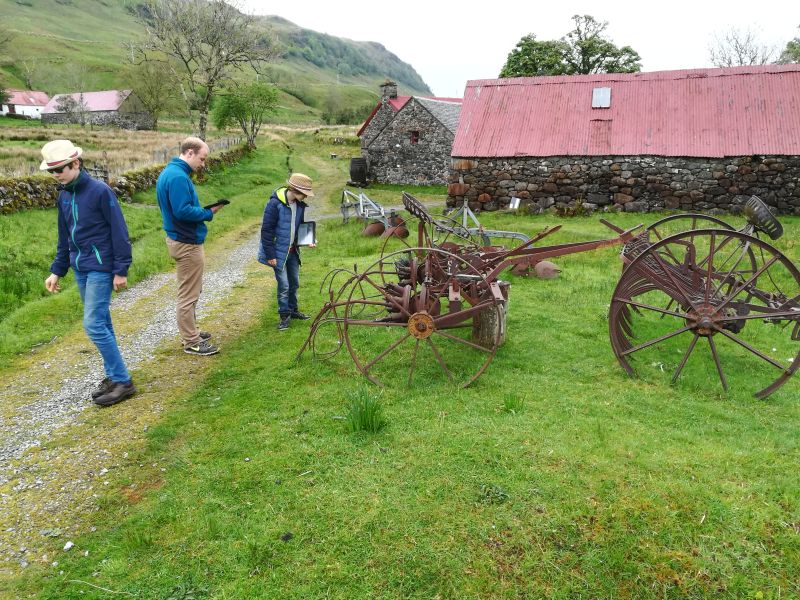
627 183
128 120
41 191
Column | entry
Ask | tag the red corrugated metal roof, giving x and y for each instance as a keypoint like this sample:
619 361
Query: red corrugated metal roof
27 98
95 101
702 112
397 103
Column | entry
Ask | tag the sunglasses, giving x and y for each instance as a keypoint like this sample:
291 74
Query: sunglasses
58 170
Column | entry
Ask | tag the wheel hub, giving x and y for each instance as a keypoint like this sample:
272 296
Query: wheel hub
421 325
703 321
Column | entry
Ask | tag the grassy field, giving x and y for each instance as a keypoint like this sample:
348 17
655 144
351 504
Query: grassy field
554 475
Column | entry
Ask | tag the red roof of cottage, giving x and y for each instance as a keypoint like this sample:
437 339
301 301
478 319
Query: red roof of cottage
397 103
95 101
27 98
700 112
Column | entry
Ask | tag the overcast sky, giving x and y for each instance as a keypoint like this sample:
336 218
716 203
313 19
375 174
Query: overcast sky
450 42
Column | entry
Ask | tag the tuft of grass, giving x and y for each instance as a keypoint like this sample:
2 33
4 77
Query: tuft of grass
365 412
492 494
513 404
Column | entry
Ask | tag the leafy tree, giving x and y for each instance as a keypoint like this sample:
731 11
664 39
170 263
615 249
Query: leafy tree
590 52
156 87
791 54
247 106
737 48
531 57
585 49
4 95
208 40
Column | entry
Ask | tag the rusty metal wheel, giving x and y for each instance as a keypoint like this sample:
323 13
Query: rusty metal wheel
432 302
726 290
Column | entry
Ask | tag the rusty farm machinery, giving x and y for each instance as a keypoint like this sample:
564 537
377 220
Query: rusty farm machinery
436 308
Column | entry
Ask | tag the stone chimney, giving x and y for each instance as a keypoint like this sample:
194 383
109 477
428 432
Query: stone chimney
388 90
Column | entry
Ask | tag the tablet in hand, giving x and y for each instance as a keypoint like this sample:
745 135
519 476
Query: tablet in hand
221 202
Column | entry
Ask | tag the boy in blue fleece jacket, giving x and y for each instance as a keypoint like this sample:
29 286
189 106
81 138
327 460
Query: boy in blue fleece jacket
93 240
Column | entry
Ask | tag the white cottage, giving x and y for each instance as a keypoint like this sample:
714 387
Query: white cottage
26 103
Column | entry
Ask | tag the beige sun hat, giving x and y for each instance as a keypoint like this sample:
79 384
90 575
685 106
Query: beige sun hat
301 183
58 153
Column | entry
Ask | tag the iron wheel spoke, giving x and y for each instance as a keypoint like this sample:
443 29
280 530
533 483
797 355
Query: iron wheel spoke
718 363
655 341
755 351
685 358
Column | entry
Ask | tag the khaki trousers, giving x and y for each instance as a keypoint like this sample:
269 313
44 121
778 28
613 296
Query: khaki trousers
189 259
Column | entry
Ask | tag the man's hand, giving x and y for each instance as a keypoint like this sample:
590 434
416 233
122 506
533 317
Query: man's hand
51 283
272 262
120 282
215 209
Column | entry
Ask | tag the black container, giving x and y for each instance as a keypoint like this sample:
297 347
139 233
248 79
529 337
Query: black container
358 170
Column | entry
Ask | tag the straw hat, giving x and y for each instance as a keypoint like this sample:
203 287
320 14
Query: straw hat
301 183
58 153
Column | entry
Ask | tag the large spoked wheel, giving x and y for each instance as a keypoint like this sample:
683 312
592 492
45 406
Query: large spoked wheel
435 305
679 223
725 292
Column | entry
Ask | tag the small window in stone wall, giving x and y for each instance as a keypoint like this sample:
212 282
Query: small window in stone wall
414 137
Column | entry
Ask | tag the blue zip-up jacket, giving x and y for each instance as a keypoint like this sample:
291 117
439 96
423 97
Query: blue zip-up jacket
181 212
92 234
276 228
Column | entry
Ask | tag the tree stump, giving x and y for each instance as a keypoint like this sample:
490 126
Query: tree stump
490 324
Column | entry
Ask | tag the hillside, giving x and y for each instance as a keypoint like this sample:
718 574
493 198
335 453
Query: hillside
61 45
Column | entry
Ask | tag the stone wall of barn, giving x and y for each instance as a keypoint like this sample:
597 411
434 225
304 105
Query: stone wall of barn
383 116
630 183
123 120
392 157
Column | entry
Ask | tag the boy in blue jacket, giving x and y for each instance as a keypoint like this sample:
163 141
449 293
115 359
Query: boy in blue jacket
93 240
282 217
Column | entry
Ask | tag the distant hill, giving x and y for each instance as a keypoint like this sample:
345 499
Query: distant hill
61 45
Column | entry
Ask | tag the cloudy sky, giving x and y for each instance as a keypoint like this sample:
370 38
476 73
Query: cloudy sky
449 43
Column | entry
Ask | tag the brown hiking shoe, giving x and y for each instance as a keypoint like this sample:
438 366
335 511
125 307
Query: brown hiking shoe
102 388
117 393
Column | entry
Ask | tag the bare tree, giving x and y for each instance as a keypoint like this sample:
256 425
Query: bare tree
737 48
208 40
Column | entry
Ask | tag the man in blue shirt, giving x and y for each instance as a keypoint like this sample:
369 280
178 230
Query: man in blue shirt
93 240
184 221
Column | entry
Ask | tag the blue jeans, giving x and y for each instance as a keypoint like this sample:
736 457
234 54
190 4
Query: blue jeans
288 281
95 288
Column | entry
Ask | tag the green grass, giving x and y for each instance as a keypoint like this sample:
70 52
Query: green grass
602 486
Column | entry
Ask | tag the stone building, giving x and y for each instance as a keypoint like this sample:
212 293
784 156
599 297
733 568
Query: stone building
118 108
408 139
702 140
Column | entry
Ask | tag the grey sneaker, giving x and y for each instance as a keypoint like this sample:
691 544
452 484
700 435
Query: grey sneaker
202 348
296 314
102 388
204 335
116 394
283 325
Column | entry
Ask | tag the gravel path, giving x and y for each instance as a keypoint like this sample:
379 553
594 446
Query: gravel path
59 405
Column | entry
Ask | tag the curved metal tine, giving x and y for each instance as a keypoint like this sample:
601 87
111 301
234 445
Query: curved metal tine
439 359
413 363
686 354
710 270
385 353
755 351
718 363
662 338
678 285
